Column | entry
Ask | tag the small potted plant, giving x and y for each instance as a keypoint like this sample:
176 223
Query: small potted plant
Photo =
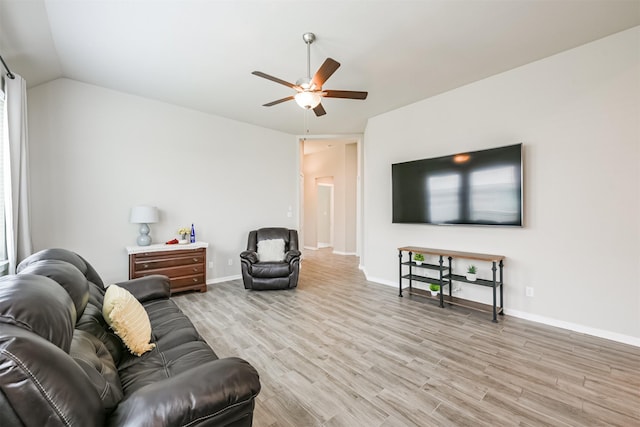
471 273
184 235
418 258
434 289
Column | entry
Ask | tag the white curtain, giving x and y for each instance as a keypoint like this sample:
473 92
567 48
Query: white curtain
16 173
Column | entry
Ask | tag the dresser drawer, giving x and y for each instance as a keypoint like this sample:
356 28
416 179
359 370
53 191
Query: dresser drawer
188 282
146 262
181 270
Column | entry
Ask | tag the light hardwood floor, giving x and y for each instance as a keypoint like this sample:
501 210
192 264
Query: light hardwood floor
341 351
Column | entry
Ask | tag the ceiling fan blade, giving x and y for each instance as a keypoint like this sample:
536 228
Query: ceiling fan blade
349 94
325 71
275 79
319 110
272 103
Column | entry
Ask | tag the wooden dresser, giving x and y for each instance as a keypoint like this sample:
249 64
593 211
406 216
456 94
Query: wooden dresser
185 265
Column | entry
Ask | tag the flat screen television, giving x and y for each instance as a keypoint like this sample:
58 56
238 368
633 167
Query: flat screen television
474 188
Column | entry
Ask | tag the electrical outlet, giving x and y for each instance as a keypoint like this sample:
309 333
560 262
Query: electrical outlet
230 261
210 264
528 291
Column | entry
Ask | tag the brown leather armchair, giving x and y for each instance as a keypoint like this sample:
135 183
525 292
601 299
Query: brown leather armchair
265 275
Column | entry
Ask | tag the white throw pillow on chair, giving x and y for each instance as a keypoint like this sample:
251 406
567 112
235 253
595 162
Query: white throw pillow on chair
271 250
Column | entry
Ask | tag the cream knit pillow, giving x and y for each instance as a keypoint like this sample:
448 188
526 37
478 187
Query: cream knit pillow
271 250
128 319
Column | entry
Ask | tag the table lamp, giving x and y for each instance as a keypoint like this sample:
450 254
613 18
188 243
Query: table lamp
144 215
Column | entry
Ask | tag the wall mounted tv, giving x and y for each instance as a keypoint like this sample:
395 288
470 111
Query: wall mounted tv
475 188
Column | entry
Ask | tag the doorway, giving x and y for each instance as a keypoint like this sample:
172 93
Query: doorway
335 162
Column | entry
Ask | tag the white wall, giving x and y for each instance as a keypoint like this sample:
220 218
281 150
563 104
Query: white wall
95 153
578 115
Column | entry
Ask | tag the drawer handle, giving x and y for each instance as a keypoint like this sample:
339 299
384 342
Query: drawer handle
145 266
195 270
195 260
195 280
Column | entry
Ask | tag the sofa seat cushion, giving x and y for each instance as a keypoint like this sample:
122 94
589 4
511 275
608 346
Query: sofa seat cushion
169 325
159 364
270 269
179 348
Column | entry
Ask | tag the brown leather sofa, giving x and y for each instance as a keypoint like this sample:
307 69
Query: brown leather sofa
61 365
261 275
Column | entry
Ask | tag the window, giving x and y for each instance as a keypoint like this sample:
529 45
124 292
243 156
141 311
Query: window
444 198
495 196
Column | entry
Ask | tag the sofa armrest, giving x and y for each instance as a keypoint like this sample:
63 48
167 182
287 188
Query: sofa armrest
218 392
148 288
291 255
250 256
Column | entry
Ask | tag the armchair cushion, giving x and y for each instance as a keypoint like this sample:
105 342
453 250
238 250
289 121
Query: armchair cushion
271 250
128 319
270 269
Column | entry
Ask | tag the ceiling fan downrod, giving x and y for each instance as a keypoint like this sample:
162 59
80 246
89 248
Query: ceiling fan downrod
308 39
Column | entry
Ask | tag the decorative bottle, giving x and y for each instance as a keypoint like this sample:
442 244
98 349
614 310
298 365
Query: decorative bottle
193 234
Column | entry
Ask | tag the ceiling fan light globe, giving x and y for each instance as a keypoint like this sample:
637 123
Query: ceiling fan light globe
308 100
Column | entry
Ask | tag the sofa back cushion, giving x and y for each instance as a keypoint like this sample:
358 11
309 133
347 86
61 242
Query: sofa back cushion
68 256
67 276
93 323
40 382
39 305
96 361
42 385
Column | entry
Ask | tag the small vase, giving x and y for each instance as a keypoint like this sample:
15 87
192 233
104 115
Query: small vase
418 262
471 277
434 293
184 239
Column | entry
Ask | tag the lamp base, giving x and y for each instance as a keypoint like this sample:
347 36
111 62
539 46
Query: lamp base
144 239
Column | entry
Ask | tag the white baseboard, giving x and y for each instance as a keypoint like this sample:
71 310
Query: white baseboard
344 253
381 281
600 333
311 248
324 245
613 336
223 279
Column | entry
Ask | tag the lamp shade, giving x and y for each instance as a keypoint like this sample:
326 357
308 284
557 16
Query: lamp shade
144 215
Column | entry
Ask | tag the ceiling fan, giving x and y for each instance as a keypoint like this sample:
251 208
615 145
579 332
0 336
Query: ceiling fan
309 90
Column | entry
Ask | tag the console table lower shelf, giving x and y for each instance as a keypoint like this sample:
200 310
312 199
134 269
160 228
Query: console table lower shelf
446 277
450 299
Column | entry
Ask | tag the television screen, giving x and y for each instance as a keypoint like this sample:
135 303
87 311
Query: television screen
474 188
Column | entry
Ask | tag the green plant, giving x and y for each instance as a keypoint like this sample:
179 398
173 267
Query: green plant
471 269
434 288
418 257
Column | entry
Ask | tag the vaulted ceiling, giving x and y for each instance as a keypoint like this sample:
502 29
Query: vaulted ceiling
200 54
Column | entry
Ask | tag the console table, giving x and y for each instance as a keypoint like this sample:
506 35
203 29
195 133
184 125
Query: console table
446 277
185 265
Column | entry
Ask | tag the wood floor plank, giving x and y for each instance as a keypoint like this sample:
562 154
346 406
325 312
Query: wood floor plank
341 351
